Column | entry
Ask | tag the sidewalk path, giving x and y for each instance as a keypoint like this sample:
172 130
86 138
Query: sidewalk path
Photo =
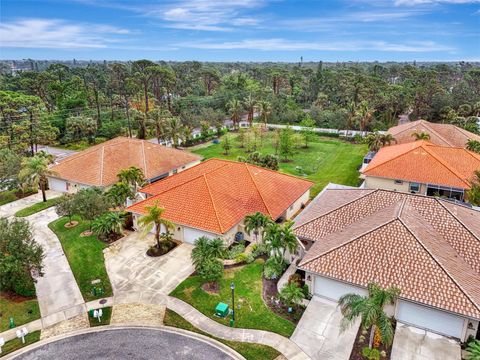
11 208
287 347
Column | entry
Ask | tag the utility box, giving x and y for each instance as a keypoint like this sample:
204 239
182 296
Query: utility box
221 310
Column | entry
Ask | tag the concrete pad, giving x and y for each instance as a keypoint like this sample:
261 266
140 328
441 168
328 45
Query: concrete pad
137 314
11 208
411 343
318 332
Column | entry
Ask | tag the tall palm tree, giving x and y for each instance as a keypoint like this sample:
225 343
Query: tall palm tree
371 311
422 135
154 219
265 110
234 108
175 130
119 193
256 222
250 103
279 239
132 176
34 173
365 115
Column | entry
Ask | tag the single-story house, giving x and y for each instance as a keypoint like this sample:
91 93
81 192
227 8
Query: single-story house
100 164
427 247
424 168
212 199
440 134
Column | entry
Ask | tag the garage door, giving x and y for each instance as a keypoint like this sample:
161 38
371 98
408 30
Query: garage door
190 235
57 185
333 290
426 318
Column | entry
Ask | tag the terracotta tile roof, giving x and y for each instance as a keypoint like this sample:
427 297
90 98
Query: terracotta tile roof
424 162
217 194
440 134
427 247
100 164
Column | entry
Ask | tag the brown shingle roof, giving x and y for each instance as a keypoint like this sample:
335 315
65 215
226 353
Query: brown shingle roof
440 134
427 247
100 164
217 194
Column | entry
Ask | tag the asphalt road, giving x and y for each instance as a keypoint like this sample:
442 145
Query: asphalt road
127 344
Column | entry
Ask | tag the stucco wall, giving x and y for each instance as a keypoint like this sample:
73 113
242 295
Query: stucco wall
65 185
372 182
297 205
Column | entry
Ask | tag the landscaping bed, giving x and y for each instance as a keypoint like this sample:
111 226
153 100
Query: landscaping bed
16 344
85 256
249 350
22 309
165 248
42 205
251 312
361 341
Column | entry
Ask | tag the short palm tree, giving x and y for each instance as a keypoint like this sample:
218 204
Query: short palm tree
373 141
370 310
291 294
132 176
473 145
265 110
280 238
154 219
34 173
119 193
109 223
256 222
422 135
387 139
207 249
234 108
473 350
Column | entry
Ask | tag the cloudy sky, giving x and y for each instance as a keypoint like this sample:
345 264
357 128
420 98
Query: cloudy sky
251 30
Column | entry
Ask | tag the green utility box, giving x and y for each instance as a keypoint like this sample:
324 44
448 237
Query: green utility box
221 310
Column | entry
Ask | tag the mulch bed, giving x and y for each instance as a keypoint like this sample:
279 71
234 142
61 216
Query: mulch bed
358 346
112 238
86 233
13 297
71 224
270 291
155 252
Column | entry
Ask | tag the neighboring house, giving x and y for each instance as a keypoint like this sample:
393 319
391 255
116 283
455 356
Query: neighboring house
100 164
440 134
429 248
424 168
212 198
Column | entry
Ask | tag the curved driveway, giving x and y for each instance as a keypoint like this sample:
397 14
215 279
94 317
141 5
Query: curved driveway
130 343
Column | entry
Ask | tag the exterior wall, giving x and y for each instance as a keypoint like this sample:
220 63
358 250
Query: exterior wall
297 205
372 182
65 185
184 167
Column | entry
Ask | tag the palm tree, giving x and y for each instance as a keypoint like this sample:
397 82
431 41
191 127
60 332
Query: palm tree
422 135
132 176
175 130
373 141
387 139
473 195
34 173
473 350
109 223
119 193
473 145
365 114
256 222
280 239
234 108
370 310
154 219
250 103
291 294
207 249
265 111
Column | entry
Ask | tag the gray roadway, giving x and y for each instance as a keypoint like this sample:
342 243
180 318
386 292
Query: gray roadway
127 344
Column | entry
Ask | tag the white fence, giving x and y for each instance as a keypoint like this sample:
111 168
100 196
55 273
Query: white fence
344 133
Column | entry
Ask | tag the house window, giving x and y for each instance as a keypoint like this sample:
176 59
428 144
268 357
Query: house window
414 187
398 182
174 171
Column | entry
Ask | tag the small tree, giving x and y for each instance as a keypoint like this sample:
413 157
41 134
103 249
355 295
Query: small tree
21 257
205 257
211 271
226 144
34 173
286 144
241 138
10 165
66 206
154 219
256 222
291 294
307 132
90 203
108 224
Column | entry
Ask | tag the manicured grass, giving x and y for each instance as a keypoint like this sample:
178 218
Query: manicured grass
23 310
15 344
7 196
85 257
249 350
105 319
325 160
37 207
250 310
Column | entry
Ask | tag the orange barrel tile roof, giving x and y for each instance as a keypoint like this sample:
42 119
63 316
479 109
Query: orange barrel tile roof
424 162
217 194
429 248
440 134
100 164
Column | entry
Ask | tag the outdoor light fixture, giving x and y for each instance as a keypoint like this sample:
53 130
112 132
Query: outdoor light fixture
232 320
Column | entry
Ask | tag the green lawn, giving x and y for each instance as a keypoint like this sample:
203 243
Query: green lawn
325 160
23 310
250 310
37 207
15 344
105 319
249 350
85 257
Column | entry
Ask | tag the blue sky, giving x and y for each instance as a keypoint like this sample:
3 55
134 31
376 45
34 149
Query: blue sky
241 30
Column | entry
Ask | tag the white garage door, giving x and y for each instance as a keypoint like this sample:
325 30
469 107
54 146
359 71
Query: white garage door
426 318
333 290
190 235
57 185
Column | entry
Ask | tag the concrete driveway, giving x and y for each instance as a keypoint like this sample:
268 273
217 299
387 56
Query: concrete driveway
136 277
318 332
411 343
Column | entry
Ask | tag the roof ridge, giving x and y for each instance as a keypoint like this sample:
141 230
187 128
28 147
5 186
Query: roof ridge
258 190
102 164
439 263
420 143
370 191
144 159
427 124
213 203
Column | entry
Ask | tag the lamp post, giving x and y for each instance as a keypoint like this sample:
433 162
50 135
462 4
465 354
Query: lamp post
232 320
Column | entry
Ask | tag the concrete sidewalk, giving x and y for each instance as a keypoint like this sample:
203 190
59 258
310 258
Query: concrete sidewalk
287 347
11 208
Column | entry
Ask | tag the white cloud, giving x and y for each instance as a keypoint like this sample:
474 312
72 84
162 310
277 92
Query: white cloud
57 34
279 44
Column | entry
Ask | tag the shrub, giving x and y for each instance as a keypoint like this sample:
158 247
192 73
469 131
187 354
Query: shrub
291 294
259 250
274 268
295 279
249 258
235 251
24 286
242 257
371 354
